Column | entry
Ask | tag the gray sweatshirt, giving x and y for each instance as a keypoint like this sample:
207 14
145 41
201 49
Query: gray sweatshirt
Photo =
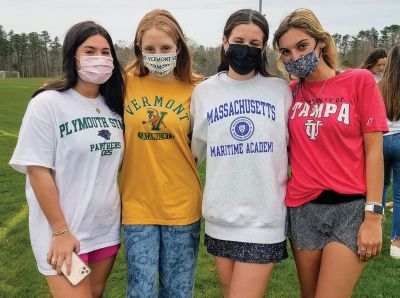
240 128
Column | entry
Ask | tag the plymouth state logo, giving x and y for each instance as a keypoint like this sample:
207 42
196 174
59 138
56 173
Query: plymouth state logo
242 128
105 134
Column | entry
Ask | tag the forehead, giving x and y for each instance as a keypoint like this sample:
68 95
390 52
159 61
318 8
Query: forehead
250 31
95 41
291 37
381 61
156 37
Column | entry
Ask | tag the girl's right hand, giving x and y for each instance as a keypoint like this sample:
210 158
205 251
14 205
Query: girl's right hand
61 248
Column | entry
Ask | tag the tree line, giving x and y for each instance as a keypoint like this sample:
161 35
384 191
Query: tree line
38 55
33 54
354 49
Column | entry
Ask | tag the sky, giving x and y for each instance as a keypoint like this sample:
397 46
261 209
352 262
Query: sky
202 20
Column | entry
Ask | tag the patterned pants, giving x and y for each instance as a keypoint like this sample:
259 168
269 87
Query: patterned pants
161 260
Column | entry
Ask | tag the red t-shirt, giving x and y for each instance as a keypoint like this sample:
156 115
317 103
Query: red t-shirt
326 124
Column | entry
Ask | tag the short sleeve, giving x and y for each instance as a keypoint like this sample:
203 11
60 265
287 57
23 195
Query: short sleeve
288 97
36 140
199 140
372 112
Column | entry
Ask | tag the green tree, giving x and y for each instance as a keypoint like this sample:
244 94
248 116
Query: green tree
11 49
55 57
45 39
4 49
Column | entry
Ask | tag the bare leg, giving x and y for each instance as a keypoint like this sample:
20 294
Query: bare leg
250 280
308 266
339 271
61 288
99 275
225 271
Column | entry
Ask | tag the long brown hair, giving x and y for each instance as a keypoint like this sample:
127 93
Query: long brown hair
390 84
307 21
163 20
113 90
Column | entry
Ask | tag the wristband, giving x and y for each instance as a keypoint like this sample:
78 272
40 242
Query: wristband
375 208
373 203
57 233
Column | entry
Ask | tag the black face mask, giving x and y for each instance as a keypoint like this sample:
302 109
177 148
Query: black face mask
242 58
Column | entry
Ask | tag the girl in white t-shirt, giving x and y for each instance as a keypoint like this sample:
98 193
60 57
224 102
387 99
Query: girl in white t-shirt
70 146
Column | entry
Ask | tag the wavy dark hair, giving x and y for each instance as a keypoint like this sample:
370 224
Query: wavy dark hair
247 16
373 58
113 90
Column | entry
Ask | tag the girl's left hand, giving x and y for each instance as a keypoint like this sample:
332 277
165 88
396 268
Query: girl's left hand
369 239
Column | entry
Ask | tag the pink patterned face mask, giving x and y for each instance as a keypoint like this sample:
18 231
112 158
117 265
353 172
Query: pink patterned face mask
95 69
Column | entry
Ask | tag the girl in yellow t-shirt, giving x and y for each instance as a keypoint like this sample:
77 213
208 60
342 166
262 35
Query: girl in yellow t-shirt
160 187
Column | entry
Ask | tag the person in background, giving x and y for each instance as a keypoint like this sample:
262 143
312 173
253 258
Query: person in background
240 128
334 196
375 62
160 187
390 89
70 145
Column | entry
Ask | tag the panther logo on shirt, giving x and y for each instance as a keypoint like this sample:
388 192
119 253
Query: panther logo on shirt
105 134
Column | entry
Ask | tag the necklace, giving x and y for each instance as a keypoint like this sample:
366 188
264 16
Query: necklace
95 104
317 95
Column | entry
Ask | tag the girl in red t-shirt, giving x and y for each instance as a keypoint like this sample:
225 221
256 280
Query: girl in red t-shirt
334 195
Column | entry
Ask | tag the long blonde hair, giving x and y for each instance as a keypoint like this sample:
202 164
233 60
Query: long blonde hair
307 21
390 84
163 20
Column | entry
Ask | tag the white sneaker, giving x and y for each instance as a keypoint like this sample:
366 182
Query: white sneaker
395 252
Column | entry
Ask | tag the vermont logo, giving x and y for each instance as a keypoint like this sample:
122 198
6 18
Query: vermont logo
155 119
104 133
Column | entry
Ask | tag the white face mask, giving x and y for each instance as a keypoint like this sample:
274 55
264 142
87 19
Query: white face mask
160 64
95 69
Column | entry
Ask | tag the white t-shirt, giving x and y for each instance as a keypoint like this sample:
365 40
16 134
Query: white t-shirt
394 127
62 131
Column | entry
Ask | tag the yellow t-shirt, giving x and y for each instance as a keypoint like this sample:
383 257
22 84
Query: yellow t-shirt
159 180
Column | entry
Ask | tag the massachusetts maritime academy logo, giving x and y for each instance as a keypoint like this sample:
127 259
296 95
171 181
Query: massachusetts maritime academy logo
242 128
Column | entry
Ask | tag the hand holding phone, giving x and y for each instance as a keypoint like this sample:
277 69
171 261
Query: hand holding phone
79 270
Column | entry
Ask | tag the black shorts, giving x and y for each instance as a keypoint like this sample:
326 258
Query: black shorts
246 252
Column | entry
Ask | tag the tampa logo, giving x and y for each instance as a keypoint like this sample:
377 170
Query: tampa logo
312 128
155 118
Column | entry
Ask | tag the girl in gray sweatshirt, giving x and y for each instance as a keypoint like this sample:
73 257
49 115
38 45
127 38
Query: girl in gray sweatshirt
240 128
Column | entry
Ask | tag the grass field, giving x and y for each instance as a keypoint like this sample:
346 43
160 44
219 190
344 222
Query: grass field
20 278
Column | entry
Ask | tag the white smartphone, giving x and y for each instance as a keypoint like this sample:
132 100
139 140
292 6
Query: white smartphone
79 270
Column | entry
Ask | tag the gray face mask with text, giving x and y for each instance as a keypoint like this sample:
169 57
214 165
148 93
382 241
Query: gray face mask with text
160 64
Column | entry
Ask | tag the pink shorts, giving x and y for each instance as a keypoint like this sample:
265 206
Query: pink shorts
99 254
